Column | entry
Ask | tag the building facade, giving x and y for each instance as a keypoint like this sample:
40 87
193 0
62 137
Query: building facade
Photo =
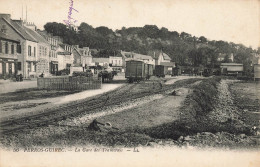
26 63
42 51
10 50
65 57
103 62
82 56
116 63
54 42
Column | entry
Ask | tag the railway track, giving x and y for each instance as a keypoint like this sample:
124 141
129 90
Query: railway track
75 109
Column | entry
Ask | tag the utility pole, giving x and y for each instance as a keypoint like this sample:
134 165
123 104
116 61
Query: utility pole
26 15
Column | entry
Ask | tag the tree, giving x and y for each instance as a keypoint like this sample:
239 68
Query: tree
184 35
57 29
203 39
104 31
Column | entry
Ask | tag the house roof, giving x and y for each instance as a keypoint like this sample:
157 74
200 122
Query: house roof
101 60
80 51
126 54
155 54
94 51
231 64
135 55
142 57
19 29
168 64
36 36
63 51
8 37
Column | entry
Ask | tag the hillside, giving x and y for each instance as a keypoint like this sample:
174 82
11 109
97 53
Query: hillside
183 48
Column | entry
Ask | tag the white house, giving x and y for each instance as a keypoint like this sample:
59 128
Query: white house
29 46
116 63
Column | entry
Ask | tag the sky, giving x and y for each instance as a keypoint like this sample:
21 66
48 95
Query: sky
235 21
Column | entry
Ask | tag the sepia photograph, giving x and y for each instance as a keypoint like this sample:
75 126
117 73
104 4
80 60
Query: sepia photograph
130 83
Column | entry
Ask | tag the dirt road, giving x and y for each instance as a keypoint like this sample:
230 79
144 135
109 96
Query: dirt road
20 108
153 113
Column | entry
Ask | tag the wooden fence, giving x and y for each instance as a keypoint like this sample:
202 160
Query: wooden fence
69 83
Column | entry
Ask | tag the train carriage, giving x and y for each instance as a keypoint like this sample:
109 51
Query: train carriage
137 70
159 71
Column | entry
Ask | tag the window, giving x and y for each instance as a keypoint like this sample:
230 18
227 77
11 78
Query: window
45 53
19 66
1 68
34 67
40 51
34 51
0 47
6 47
12 48
7 68
29 50
13 68
29 66
19 48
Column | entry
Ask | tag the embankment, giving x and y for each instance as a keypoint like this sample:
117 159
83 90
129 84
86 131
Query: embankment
208 117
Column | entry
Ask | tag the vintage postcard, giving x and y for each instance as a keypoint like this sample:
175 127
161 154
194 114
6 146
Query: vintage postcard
129 83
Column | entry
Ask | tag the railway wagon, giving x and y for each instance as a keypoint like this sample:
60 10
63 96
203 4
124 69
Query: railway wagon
176 71
150 70
136 70
257 72
159 71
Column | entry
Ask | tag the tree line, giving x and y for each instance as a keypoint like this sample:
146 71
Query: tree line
183 48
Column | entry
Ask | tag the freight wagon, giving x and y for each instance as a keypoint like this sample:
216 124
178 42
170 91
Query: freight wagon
159 71
257 72
176 71
150 70
138 70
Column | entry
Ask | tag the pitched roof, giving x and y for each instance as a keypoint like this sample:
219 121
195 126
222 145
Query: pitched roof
231 64
135 55
77 51
36 35
126 54
19 29
62 51
142 57
155 54
8 37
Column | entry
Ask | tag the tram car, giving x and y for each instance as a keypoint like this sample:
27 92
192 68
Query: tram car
160 71
137 70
